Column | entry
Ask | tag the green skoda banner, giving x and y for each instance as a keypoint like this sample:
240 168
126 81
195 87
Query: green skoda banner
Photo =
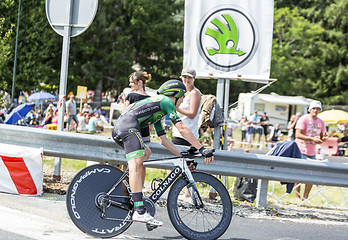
229 38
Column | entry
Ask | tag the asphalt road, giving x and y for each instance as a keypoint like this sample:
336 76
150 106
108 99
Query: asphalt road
45 218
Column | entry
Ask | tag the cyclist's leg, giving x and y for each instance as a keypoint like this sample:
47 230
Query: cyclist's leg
136 178
136 171
146 157
128 129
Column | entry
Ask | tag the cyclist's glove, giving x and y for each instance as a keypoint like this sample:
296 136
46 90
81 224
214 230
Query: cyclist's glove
206 152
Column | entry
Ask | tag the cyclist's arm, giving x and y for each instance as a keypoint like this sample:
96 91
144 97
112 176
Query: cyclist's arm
169 145
188 135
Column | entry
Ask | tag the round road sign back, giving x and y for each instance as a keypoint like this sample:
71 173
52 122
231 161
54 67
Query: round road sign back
83 13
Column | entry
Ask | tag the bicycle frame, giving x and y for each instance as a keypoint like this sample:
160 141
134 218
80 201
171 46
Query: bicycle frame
180 166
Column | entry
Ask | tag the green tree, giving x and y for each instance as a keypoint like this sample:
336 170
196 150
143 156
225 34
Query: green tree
309 55
127 35
5 53
38 56
295 60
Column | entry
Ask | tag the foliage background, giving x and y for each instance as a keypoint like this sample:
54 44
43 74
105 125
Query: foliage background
309 55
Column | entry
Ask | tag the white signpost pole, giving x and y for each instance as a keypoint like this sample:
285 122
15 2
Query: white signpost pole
68 18
63 81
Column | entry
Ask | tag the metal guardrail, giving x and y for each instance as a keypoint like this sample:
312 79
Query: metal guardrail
226 163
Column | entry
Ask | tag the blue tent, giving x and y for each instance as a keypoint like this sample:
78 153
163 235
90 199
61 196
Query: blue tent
18 113
41 96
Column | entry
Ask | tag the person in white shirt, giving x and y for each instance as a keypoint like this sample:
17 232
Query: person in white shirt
190 107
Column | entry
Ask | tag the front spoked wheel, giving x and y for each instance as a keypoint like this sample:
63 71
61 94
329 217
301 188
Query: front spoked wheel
91 210
208 221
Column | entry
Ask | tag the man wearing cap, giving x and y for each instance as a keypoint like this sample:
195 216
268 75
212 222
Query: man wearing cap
310 130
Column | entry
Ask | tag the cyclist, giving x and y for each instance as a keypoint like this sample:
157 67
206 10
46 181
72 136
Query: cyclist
139 115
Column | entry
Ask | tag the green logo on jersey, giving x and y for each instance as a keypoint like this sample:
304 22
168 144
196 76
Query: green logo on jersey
158 116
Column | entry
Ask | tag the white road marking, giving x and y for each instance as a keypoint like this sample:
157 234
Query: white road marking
41 228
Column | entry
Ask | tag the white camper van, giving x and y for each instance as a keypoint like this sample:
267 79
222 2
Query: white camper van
279 108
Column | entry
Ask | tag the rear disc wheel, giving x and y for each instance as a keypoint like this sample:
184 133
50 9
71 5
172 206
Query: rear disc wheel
86 198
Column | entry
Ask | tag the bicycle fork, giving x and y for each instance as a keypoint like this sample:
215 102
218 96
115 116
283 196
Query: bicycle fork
195 196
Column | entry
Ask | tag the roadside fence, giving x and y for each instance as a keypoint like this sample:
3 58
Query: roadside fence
226 163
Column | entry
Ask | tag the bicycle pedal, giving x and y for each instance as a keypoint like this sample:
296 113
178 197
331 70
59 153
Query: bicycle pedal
150 227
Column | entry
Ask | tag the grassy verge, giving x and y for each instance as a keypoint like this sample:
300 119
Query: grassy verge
67 163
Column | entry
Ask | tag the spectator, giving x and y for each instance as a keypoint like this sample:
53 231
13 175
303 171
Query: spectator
86 109
333 134
253 127
343 143
121 98
49 107
40 116
244 127
206 137
310 130
97 110
33 116
264 121
48 116
93 125
190 107
83 121
137 82
113 95
71 111
3 110
55 117
188 110
230 140
318 154
291 126
275 136
53 124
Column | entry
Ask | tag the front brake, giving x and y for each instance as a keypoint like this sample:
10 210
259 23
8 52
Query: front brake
194 165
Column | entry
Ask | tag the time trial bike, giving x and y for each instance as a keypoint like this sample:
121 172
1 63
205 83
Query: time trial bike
99 200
